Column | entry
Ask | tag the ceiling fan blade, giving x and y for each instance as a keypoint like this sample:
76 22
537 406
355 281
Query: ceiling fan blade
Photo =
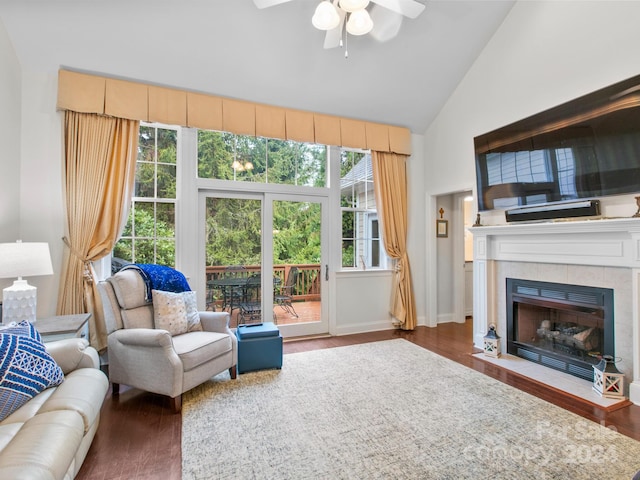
386 23
408 8
333 36
268 3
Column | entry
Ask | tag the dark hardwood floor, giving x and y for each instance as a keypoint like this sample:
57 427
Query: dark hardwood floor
139 437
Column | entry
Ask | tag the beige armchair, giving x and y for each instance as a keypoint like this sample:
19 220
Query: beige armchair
152 359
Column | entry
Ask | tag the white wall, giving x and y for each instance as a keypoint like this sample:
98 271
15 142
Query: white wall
544 54
30 183
9 142
417 230
362 302
41 195
445 261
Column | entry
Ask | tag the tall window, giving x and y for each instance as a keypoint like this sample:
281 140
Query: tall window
149 235
243 158
361 242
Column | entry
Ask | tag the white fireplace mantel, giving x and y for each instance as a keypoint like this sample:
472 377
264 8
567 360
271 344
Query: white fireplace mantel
609 243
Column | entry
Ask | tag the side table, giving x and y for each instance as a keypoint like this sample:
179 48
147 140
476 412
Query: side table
63 326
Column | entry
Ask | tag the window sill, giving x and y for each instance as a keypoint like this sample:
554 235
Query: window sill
371 272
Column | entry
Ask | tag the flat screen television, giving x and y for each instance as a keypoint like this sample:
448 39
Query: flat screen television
586 148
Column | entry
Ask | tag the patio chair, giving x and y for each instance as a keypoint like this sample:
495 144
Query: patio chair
211 300
233 295
284 294
251 305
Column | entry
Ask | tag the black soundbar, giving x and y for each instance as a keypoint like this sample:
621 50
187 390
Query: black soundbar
583 208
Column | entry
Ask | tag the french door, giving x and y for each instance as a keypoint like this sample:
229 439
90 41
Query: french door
275 241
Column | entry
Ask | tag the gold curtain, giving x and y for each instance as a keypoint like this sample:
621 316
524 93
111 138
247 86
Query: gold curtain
390 186
100 161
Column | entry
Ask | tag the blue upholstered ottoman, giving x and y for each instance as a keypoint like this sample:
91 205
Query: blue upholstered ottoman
259 347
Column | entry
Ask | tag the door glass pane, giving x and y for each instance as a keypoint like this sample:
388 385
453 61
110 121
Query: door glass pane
233 246
296 261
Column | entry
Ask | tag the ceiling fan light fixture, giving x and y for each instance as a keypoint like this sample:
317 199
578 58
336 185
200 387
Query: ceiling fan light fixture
359 23
353 5
236 165
326 16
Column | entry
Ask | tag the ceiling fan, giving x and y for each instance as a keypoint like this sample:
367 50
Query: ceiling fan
342 17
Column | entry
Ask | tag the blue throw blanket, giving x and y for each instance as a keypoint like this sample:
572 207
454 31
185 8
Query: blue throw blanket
159 277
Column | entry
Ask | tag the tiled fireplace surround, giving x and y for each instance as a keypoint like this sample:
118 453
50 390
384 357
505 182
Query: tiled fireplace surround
599 253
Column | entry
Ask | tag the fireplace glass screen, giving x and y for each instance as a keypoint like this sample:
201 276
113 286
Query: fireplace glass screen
564 332
567 327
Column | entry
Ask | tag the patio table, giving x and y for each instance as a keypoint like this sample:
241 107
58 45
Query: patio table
227 286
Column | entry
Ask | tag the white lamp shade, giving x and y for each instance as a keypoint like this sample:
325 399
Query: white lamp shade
359 23
326 16
28 259
353 5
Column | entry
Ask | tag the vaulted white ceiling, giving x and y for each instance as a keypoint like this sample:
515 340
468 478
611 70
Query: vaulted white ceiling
274 56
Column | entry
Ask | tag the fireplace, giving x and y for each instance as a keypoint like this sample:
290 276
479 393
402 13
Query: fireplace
565 327
596 253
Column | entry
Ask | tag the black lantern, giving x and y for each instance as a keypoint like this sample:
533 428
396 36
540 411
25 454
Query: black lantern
492 342
608 381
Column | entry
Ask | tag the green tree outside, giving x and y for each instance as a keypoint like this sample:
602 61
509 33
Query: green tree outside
233 227
233 234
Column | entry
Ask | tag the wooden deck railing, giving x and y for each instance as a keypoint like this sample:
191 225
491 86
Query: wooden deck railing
307 286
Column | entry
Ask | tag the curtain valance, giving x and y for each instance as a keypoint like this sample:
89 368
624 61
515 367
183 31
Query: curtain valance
85 93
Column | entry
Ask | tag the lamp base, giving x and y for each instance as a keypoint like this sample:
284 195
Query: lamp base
19 302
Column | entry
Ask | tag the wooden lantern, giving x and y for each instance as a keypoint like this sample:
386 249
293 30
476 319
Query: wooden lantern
492 342
607 380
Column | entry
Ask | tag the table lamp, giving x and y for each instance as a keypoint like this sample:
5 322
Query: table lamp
20 259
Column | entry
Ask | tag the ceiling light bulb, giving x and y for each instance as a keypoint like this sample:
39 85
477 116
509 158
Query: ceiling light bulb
236 165
359 23
353 5
326 16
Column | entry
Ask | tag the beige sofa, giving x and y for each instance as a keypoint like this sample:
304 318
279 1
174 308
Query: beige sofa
49 436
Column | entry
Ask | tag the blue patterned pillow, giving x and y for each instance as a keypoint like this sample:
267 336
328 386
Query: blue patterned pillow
22 328
26 368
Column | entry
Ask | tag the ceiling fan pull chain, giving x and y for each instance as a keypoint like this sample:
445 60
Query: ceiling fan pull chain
346 38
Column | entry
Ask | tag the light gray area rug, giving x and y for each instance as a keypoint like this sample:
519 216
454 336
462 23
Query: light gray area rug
388 410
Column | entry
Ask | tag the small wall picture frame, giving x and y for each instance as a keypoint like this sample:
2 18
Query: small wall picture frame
442 228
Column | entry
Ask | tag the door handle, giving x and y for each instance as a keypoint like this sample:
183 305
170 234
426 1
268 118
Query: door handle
326 272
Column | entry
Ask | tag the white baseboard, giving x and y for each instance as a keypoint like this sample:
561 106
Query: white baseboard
634 392
350 329
445 318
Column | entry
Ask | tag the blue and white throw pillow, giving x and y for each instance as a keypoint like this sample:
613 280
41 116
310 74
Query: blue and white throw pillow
26 368
22 328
